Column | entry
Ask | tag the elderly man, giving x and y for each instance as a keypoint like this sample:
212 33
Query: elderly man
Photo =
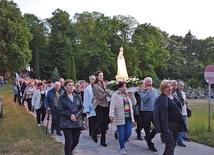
88 107
182 135
148 96
51 102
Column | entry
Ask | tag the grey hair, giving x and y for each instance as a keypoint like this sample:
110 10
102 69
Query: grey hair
148 79
180 82
174 82
92 76
57 82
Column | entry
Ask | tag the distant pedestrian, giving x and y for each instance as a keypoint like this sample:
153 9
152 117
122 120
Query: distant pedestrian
29 94
1 81
70 109
49 85
15 92
88 106
138 113
38 103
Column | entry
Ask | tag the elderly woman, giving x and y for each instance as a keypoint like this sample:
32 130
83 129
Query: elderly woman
70 109
38 103
51 103
167 115
121 113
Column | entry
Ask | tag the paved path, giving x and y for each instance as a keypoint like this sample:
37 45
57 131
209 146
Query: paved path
87 146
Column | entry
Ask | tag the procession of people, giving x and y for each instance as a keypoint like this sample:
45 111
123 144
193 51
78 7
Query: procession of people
72 106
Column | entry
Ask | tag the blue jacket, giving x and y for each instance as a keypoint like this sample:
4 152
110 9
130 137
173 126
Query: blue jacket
49 99
66 108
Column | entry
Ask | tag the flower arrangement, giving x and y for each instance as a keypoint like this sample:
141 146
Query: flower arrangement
131 82
112 85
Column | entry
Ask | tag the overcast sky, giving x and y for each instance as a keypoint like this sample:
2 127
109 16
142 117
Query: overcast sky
173 16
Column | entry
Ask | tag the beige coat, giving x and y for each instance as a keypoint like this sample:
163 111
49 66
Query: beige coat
117 107
100 96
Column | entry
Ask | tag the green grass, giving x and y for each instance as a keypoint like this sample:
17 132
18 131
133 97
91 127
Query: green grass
19 133
198 123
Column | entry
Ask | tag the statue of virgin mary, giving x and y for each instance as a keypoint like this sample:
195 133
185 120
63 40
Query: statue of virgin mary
122 74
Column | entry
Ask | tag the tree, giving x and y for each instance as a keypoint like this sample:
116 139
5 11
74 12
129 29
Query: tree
36 65
150 44
98 39
175 61
73 69
14 38
68 68
55 74
60 40
38 45
92 51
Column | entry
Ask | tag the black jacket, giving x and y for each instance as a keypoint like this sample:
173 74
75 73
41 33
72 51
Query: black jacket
66 108
161 113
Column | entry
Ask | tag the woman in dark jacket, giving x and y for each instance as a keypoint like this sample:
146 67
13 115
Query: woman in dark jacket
70 109
167 116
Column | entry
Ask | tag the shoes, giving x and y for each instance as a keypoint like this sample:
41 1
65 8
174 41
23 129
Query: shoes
187 139
123 151
181 144
115 134
39 125
94 138
59 134
152 148
139 137
103 144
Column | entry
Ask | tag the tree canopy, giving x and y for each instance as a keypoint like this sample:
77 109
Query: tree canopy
14 38
89 42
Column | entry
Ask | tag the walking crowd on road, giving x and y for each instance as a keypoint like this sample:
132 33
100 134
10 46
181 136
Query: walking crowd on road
73 105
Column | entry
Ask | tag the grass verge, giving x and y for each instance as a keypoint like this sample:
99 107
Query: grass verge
198 123
19 134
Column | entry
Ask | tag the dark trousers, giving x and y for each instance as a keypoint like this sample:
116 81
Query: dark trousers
139 124
170 138
29 104
102 121
92 121
55 121
39 112
147 119
17 98
71 139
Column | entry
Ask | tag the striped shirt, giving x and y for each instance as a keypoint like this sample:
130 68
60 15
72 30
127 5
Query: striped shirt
126 107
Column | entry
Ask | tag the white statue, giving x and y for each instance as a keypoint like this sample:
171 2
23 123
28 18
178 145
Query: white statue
122 74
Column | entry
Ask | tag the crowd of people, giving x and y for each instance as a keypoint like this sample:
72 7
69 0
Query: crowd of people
70 104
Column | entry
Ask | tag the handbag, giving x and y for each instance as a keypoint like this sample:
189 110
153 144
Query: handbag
182 125
189 112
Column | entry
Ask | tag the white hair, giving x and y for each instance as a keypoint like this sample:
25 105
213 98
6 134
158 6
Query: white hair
147 79
57 83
